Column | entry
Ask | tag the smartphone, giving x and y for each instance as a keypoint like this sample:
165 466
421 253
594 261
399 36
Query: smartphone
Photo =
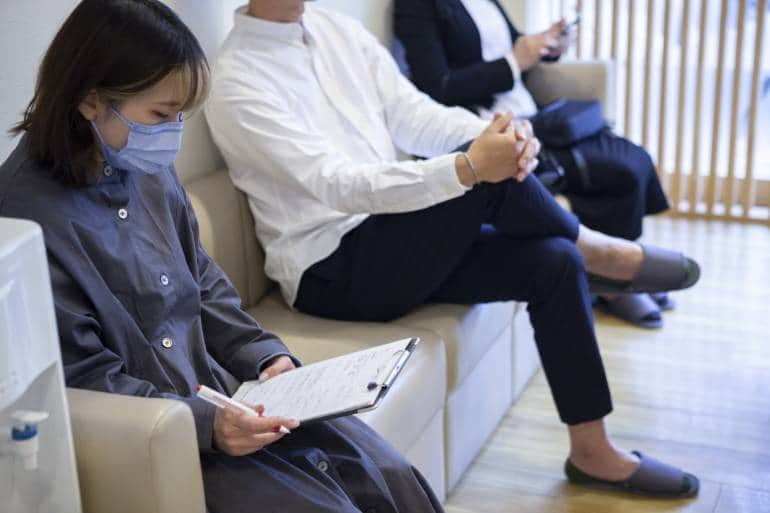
569 26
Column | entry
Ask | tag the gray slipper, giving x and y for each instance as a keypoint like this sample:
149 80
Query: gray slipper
638 309
661 270
665 302
653 478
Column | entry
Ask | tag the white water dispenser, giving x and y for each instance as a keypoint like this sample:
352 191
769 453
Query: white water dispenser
37 461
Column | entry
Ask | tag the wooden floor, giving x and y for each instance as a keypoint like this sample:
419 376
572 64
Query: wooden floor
696 393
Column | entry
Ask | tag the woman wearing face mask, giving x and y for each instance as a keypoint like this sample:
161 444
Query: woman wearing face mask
141 308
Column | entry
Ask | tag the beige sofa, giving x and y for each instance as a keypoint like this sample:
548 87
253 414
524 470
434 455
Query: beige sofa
139 455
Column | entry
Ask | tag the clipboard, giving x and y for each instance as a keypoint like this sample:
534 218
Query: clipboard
337 387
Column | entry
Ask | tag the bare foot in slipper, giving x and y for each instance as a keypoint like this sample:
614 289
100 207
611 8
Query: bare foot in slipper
652 478
619 266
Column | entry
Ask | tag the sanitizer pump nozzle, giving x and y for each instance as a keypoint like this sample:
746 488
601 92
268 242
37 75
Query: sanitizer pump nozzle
24 439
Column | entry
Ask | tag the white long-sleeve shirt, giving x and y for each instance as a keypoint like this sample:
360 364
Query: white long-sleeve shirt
308 117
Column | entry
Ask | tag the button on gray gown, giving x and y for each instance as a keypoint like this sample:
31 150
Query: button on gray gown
143 310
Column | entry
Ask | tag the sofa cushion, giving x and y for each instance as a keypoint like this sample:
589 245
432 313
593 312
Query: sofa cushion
419 391
227 233
468 332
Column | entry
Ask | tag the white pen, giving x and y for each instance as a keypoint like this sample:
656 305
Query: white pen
222 401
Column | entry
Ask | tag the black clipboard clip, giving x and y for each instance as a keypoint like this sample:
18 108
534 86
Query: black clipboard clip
391 377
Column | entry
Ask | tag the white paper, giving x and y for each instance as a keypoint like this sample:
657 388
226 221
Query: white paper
325 388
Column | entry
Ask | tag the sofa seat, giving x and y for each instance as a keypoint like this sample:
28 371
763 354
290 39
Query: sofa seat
468 332
480 352
411 417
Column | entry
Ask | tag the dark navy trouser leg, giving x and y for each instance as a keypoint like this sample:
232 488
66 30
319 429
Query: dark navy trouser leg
507 241
619 187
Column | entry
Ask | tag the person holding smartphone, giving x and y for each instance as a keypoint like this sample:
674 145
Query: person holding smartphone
468 53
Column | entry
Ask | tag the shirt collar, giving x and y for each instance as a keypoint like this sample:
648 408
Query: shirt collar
287 32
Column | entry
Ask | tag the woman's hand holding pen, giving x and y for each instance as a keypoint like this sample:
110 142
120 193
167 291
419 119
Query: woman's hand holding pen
237 433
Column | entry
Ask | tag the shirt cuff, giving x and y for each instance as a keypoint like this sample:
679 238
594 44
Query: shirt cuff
243 363
441 178
515 70
263 361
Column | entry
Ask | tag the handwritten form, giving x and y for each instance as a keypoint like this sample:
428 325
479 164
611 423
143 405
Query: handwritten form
327 388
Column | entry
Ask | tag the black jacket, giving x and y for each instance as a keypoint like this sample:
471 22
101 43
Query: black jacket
443 51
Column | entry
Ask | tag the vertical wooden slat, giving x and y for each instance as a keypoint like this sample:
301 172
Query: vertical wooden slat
647 73
711 185
729 190
629 68
749 185
614 37
676 187
663 92
695 173
597 27
579 41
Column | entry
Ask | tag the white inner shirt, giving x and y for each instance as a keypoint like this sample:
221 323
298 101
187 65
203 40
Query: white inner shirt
496 43
308 117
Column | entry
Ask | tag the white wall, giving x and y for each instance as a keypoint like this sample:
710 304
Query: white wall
26 29
376 14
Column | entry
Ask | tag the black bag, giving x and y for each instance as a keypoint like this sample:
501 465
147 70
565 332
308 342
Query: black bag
550 172
563 123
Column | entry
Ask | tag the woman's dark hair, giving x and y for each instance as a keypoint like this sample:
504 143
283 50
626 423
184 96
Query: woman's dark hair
117 48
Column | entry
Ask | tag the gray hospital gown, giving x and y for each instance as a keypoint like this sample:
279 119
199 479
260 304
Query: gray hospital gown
143 310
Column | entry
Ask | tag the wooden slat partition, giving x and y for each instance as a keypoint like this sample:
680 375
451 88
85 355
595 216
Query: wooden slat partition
749 184
629 65
614 36
709 176
711 186
579 38
729 192
662 111
647 74
598 27
676 180
694 196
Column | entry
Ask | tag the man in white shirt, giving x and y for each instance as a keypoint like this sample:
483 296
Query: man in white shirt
309 110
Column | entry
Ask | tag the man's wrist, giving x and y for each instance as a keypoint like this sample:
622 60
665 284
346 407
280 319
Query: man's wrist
464 172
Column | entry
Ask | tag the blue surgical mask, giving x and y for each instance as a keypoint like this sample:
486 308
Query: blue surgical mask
150 149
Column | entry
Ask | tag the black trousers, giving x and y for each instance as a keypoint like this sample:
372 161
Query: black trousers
614 186
497 242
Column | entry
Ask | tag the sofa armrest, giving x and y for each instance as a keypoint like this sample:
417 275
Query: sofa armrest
576 80
135 455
